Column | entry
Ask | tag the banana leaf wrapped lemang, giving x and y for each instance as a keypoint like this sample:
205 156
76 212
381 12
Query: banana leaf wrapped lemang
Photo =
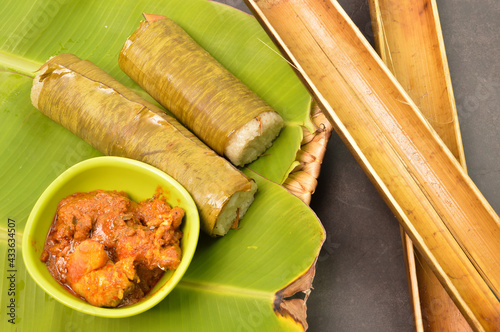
84 99
201 93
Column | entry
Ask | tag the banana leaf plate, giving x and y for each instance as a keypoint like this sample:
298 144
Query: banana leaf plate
244 281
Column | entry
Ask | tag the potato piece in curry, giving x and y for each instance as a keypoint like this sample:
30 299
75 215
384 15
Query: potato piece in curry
110 250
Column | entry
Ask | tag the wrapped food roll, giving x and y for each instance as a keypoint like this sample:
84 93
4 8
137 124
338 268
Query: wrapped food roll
93 105
202 94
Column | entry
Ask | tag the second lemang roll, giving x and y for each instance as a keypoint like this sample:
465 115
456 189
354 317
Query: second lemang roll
91 104
201 93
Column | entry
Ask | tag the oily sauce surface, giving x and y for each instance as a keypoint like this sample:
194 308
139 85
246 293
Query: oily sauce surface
110 250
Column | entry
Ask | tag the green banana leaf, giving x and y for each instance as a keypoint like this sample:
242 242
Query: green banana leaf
238 282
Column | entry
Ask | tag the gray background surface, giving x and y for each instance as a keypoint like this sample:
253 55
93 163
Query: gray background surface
360 283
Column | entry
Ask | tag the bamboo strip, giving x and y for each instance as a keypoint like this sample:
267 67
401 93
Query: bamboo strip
411 274
447 218
409 40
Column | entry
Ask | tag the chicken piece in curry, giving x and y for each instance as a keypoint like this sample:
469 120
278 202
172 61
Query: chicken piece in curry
109 250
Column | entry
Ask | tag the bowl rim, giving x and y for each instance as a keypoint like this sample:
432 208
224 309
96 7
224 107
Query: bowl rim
163 291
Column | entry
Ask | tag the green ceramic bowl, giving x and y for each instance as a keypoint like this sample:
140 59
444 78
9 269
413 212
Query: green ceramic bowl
137 179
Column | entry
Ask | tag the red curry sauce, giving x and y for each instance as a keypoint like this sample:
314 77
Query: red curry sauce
110 250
